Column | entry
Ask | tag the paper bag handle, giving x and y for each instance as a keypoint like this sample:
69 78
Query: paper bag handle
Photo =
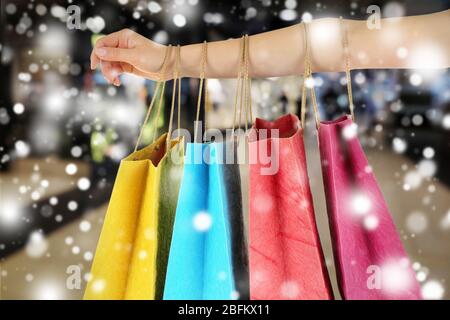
308 74
159 85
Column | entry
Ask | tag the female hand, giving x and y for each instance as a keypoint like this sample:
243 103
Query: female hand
126 51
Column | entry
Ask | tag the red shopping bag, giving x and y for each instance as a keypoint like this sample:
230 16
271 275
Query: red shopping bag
371 262
286 259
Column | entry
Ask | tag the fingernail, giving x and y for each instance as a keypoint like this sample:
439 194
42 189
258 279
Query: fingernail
116 82
101 52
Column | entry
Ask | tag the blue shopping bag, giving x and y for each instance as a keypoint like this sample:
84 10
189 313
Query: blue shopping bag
207 258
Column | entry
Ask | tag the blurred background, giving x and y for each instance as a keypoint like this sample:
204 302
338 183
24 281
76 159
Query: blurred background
64 129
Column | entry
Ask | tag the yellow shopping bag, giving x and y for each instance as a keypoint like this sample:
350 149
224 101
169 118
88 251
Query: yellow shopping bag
125 260
131 257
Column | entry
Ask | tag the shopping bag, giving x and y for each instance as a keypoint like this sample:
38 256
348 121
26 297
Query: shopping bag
125 264
370 259
207 251
233 174
169 186
286 258
371 262
131 257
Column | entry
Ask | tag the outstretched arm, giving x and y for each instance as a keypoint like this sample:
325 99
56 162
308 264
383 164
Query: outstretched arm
406 42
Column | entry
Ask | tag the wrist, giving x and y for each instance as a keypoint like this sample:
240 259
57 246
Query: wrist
188 64
162 62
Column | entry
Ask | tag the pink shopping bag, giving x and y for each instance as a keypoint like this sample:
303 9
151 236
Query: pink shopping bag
370 259
371 262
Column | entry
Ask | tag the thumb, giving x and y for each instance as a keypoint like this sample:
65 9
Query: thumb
115 54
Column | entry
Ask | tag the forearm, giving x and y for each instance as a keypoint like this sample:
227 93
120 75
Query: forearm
270 55
425 39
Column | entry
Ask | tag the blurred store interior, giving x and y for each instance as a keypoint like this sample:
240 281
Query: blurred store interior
64 129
